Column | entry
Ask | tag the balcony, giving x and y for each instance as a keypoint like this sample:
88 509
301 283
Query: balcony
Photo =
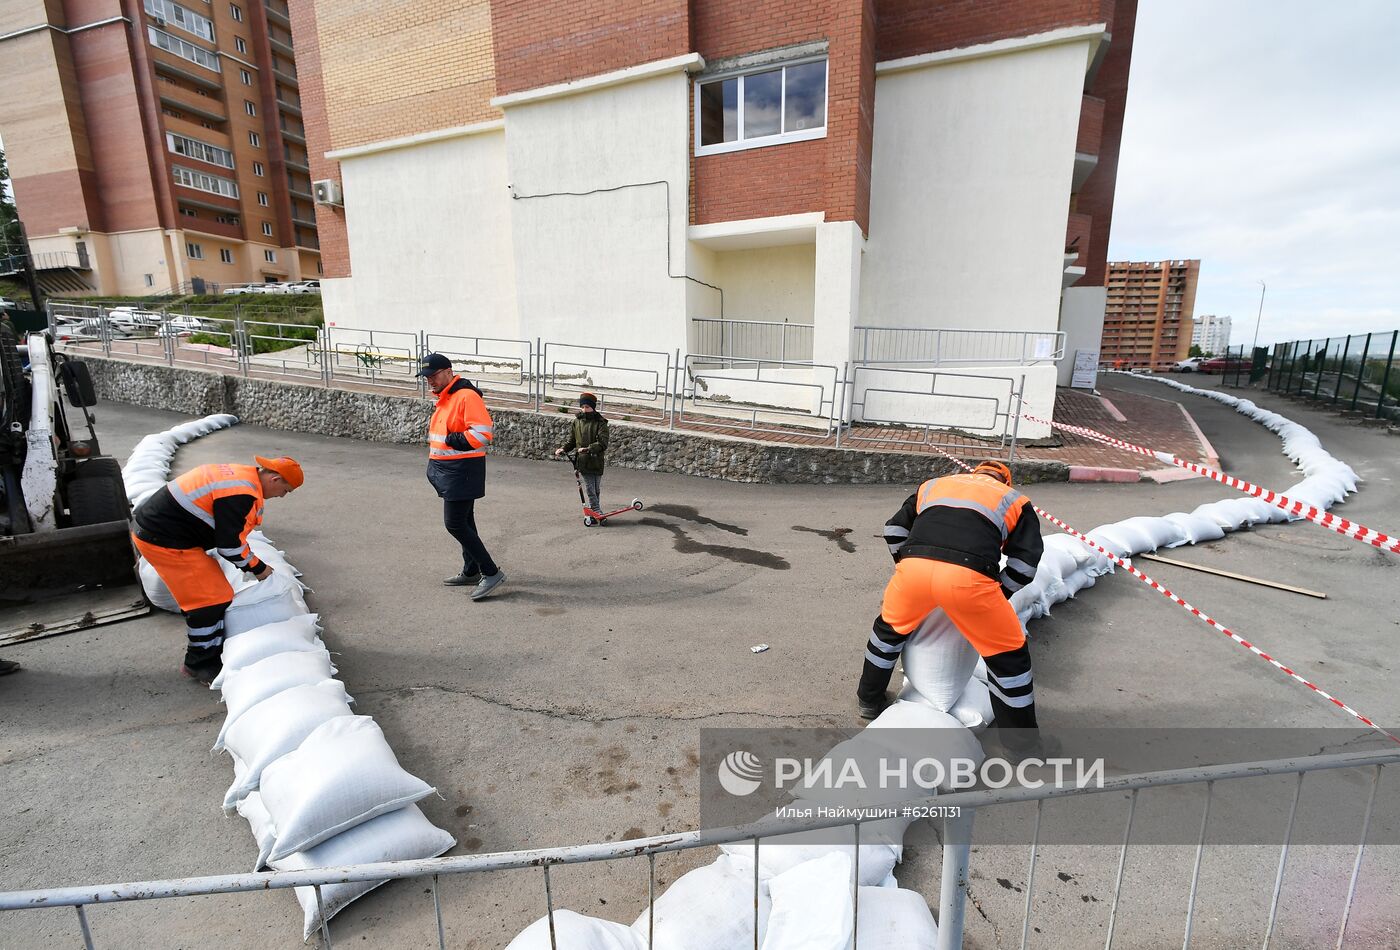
167 62
281 42
293 133
1077 237
207 225
198 132
278 12
290 104
184 100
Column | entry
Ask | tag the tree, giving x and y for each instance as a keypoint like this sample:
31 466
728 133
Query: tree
1195 351
9 215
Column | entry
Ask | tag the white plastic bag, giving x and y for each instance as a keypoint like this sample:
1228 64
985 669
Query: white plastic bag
251 808
245 688
812 908
276 726
938 660
708 908
294 635
276 598
577 932
342 775
892 918
402 835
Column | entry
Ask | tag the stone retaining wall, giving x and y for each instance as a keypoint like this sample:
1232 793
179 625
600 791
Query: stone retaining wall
380 417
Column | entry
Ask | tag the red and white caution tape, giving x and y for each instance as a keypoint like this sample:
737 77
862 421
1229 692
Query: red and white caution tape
1196 612
1319 516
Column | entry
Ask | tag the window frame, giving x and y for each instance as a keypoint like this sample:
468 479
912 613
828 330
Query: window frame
235 11
217 184
269 256
246 77
263 200
195 24
240 44
183 49
254 140
206 153
250 107
763 141
258 169
194 251
225 256
267 229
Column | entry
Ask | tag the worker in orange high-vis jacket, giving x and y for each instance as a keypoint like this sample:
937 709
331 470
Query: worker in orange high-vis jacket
947 541
213 507
459 436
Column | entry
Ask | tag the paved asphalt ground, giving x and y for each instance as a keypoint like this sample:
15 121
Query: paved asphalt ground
568 708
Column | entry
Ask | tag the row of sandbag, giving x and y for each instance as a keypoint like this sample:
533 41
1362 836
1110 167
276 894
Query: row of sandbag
944 701
318 785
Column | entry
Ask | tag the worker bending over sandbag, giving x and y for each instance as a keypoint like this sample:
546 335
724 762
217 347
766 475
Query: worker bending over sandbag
212 507
947 540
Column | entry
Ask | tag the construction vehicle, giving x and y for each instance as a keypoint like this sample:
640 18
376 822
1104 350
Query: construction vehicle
66 558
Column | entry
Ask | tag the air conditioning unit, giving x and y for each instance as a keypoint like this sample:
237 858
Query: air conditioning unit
327 192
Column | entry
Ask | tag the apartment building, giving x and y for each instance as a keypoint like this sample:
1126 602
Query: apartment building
1211 334
1148 320
157 145
622 172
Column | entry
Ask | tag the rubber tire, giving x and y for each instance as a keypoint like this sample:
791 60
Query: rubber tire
103 466
637 504
96 501
588 521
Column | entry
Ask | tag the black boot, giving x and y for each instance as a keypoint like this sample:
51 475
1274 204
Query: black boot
203 664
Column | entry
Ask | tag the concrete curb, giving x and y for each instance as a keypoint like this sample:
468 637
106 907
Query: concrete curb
1099 473
520 433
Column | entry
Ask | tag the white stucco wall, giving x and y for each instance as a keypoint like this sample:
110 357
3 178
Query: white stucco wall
429 231
1081 317
972 166
768 283
594 268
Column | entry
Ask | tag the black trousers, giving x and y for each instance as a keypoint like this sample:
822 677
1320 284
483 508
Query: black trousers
204 628
459 517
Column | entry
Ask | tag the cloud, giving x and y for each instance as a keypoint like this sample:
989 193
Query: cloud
1264 139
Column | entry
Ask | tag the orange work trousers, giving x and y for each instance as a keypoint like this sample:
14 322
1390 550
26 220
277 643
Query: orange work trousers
194 578
973 601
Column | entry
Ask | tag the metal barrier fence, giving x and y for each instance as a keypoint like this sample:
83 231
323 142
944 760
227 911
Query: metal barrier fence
941 346
754 339
504 367
957 837
763 395
1356 372
929 407
639 379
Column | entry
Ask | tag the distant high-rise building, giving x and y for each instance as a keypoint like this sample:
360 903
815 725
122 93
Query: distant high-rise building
157 145
1211 333
1148 317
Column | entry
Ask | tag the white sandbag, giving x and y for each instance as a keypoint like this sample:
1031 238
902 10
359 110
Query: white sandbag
938 660
1195 527
577 932
919 731
892 918
276 726
245 688
974 707
293 635
156 591
1058 562
1221 513
402 835
1120 538
707 909
251 808
1160 532
812 906
1080 552
1077 582
276 598
880 850
270 554
342 775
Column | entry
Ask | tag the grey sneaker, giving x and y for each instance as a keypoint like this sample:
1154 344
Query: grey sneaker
488 584
463 580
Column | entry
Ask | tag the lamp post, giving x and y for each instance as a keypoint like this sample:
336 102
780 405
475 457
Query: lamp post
1262 288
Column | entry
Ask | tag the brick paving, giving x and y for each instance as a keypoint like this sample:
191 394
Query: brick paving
1151 421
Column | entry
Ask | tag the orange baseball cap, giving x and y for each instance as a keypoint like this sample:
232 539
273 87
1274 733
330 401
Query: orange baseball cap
289 468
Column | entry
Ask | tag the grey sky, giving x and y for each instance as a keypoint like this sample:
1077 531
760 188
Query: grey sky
1264 138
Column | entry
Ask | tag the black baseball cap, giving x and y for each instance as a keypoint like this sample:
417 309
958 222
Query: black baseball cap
432 363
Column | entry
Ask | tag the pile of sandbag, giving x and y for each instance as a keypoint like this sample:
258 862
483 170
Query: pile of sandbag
318 785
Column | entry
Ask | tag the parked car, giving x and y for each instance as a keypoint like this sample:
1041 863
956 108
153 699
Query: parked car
7 304
242 289
303 287
128 319
1191 365
1225 364
179 325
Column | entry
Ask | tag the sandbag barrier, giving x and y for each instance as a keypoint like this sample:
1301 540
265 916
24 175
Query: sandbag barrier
737 899
319 786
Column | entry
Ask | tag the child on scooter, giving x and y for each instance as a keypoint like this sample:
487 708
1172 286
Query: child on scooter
589 435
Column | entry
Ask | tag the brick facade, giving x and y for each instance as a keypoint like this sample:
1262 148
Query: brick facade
540 44
1110 85
330 222
910 27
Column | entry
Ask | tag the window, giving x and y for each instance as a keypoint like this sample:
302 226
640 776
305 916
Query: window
768 107
236 12
249 107
189 212
201 181
226 218
267 228
195 252
270 256
173 44
241 44
181 145
225 255
318 268
254 140
258 169
262 198
246 76
172 113
184 18
150 279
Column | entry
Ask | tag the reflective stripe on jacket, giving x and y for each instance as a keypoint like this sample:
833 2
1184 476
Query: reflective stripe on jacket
461 425
213 506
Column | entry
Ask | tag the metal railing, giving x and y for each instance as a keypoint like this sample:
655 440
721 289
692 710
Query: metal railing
928 407
503 367
638 379
937 346
957 837
1357 372
763 395
753 339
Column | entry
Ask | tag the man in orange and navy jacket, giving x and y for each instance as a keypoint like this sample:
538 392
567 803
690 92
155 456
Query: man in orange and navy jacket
212 507
459 436
947 540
